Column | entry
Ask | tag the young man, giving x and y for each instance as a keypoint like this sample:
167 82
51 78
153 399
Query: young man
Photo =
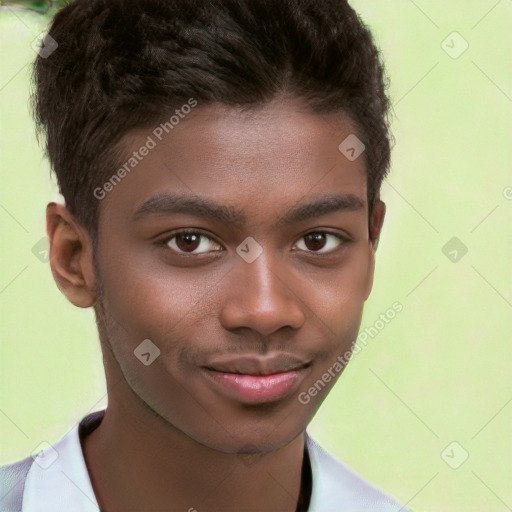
221 163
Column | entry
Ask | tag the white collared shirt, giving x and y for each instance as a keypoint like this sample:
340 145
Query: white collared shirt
57 480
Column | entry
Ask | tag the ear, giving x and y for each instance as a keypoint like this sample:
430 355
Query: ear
376 221
70 256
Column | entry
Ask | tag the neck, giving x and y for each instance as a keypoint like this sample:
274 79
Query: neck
138 461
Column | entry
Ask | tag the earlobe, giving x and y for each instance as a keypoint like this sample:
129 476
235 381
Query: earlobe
70 256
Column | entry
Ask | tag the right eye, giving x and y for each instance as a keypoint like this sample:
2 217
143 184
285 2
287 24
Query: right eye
191 242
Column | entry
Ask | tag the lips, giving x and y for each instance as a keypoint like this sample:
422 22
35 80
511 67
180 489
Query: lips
256 380
279 363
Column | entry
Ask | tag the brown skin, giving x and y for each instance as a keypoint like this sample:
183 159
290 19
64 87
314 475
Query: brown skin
170 440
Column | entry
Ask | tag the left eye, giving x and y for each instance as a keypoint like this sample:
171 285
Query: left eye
319 242
193 243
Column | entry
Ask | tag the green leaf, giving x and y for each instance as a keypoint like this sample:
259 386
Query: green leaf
39 6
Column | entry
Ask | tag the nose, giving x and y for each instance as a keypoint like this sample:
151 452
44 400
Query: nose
258 297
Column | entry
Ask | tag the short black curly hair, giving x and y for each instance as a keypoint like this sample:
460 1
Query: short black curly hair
125 64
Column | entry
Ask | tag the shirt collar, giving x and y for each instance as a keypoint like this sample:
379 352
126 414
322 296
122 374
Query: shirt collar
58 479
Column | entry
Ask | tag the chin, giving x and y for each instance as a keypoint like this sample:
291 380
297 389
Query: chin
253 439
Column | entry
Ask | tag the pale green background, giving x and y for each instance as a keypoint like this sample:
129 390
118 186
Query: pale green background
439 372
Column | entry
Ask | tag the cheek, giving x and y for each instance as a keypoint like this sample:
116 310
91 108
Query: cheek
340 295
335 320
336 312
343 316
148 297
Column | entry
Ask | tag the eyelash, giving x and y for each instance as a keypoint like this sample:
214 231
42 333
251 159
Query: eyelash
343 239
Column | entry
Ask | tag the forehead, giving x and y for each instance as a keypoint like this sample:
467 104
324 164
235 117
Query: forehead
262 158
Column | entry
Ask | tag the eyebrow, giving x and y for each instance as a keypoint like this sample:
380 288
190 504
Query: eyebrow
167 204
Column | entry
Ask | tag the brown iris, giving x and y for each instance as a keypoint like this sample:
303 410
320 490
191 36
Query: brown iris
188 242
315 241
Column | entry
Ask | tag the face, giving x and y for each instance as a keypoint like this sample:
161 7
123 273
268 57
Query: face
239 247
